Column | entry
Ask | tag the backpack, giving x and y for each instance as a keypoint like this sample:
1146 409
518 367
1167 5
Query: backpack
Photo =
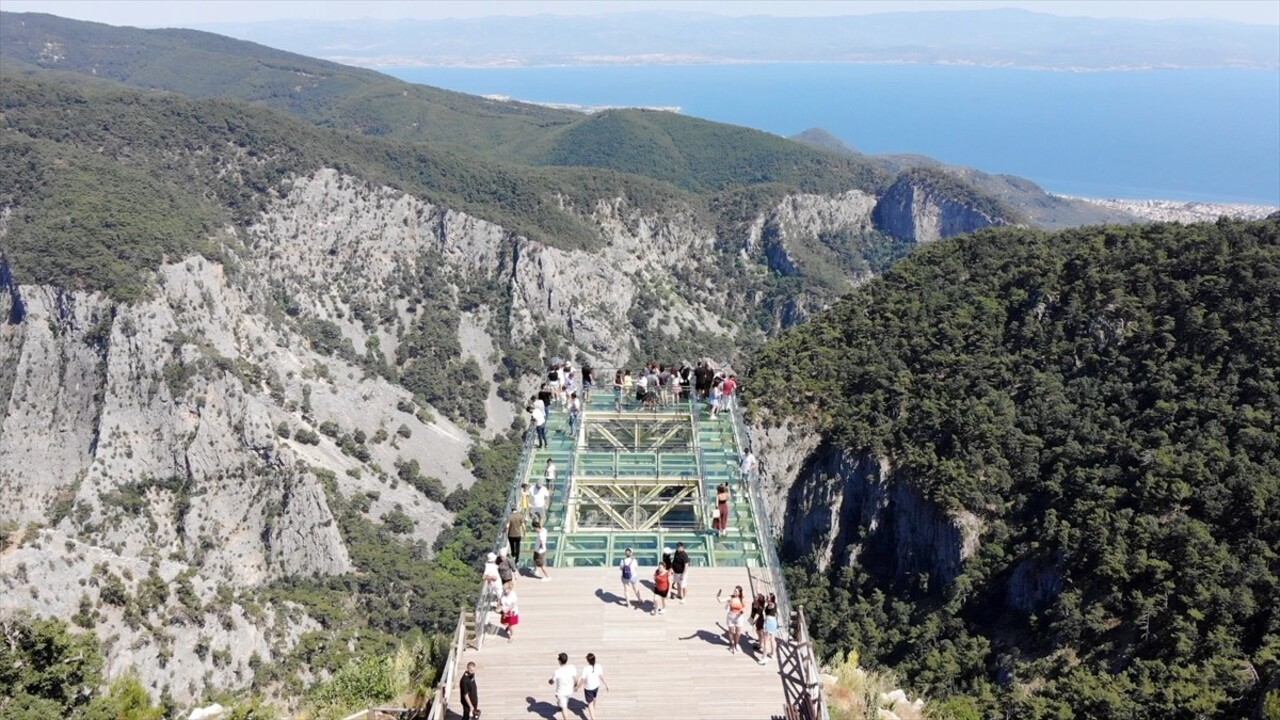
626 569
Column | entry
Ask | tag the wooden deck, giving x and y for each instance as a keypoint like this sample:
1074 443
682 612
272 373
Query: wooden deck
675 665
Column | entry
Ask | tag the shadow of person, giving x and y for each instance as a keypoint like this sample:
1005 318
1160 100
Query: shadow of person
606 596
542 707
708 637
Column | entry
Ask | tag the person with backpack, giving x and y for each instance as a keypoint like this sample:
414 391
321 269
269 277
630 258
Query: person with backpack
506 567
661 587
630 577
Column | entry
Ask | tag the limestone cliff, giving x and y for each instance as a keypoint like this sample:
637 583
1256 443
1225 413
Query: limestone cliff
845 508
925 205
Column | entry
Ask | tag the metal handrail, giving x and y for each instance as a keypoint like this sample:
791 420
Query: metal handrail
764 523
440 699
812 699
484 602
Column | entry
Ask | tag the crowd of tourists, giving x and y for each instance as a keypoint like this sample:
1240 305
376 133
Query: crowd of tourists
652 387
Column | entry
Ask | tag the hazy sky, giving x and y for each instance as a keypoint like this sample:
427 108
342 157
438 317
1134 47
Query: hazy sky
175 13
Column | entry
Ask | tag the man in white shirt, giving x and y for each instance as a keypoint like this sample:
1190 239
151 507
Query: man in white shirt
748 466
539 415
564 678
539 496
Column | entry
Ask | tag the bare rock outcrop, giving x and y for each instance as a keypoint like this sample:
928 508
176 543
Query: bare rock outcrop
914 208
843 507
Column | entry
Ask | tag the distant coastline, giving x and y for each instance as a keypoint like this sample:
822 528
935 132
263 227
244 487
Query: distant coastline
499 63
1159 134
1179 210
575 107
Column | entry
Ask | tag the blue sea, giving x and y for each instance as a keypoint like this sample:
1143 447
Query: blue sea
1186 134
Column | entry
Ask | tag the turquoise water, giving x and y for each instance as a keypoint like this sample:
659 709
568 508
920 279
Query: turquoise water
1188 134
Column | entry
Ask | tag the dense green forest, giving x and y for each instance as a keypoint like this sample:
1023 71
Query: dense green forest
1106 401
93 161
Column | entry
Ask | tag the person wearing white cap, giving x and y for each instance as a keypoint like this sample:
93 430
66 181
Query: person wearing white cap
492 580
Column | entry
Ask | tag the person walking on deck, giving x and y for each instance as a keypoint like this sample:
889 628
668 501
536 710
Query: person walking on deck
540 551
492 580
507 569
590 682
747 467
721 522
470 696
661 587
515 533
509 610
539 416
575 414
679 566
564 679
539 498
550 475
728 392
630 577
545 395
588 382
618 390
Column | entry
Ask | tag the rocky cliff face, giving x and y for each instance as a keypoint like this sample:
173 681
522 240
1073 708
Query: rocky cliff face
919 212
849 508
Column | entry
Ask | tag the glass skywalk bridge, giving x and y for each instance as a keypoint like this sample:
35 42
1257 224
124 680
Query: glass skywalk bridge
645 479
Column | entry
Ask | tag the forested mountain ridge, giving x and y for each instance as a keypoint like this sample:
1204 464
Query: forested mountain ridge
203 65
689 152
1047 482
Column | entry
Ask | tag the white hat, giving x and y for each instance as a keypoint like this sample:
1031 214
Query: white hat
492 557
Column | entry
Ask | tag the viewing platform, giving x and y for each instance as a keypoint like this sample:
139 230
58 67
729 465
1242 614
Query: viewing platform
641 478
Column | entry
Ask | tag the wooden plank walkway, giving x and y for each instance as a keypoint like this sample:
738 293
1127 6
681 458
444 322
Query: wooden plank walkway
675 665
